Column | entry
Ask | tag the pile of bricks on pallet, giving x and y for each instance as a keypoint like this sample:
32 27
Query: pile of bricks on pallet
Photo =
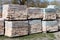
16 28
14 12
18 20
35 13
1 26
49 22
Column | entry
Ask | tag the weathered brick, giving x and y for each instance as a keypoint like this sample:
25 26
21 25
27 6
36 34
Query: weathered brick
35 26
49 26
14 12
49 14
1 26
16 28
35 13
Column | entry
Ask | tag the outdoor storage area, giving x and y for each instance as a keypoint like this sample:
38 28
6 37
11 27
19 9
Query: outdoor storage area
20 20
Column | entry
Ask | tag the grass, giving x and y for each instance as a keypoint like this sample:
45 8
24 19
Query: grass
31 37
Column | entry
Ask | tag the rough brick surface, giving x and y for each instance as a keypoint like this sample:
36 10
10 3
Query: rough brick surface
49 26
16 28
35 13
35 26
14 12
1 26
49 14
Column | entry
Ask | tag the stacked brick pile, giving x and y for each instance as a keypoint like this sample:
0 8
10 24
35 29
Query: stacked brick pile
58 18
49 26
1 26
16 23
34 13
14 12
20 20
49 14
35 26
49 22
16 28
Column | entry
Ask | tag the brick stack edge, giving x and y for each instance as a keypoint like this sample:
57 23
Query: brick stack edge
20 20
1 26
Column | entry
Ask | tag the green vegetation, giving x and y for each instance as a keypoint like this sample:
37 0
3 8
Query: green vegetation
50 36
14 2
